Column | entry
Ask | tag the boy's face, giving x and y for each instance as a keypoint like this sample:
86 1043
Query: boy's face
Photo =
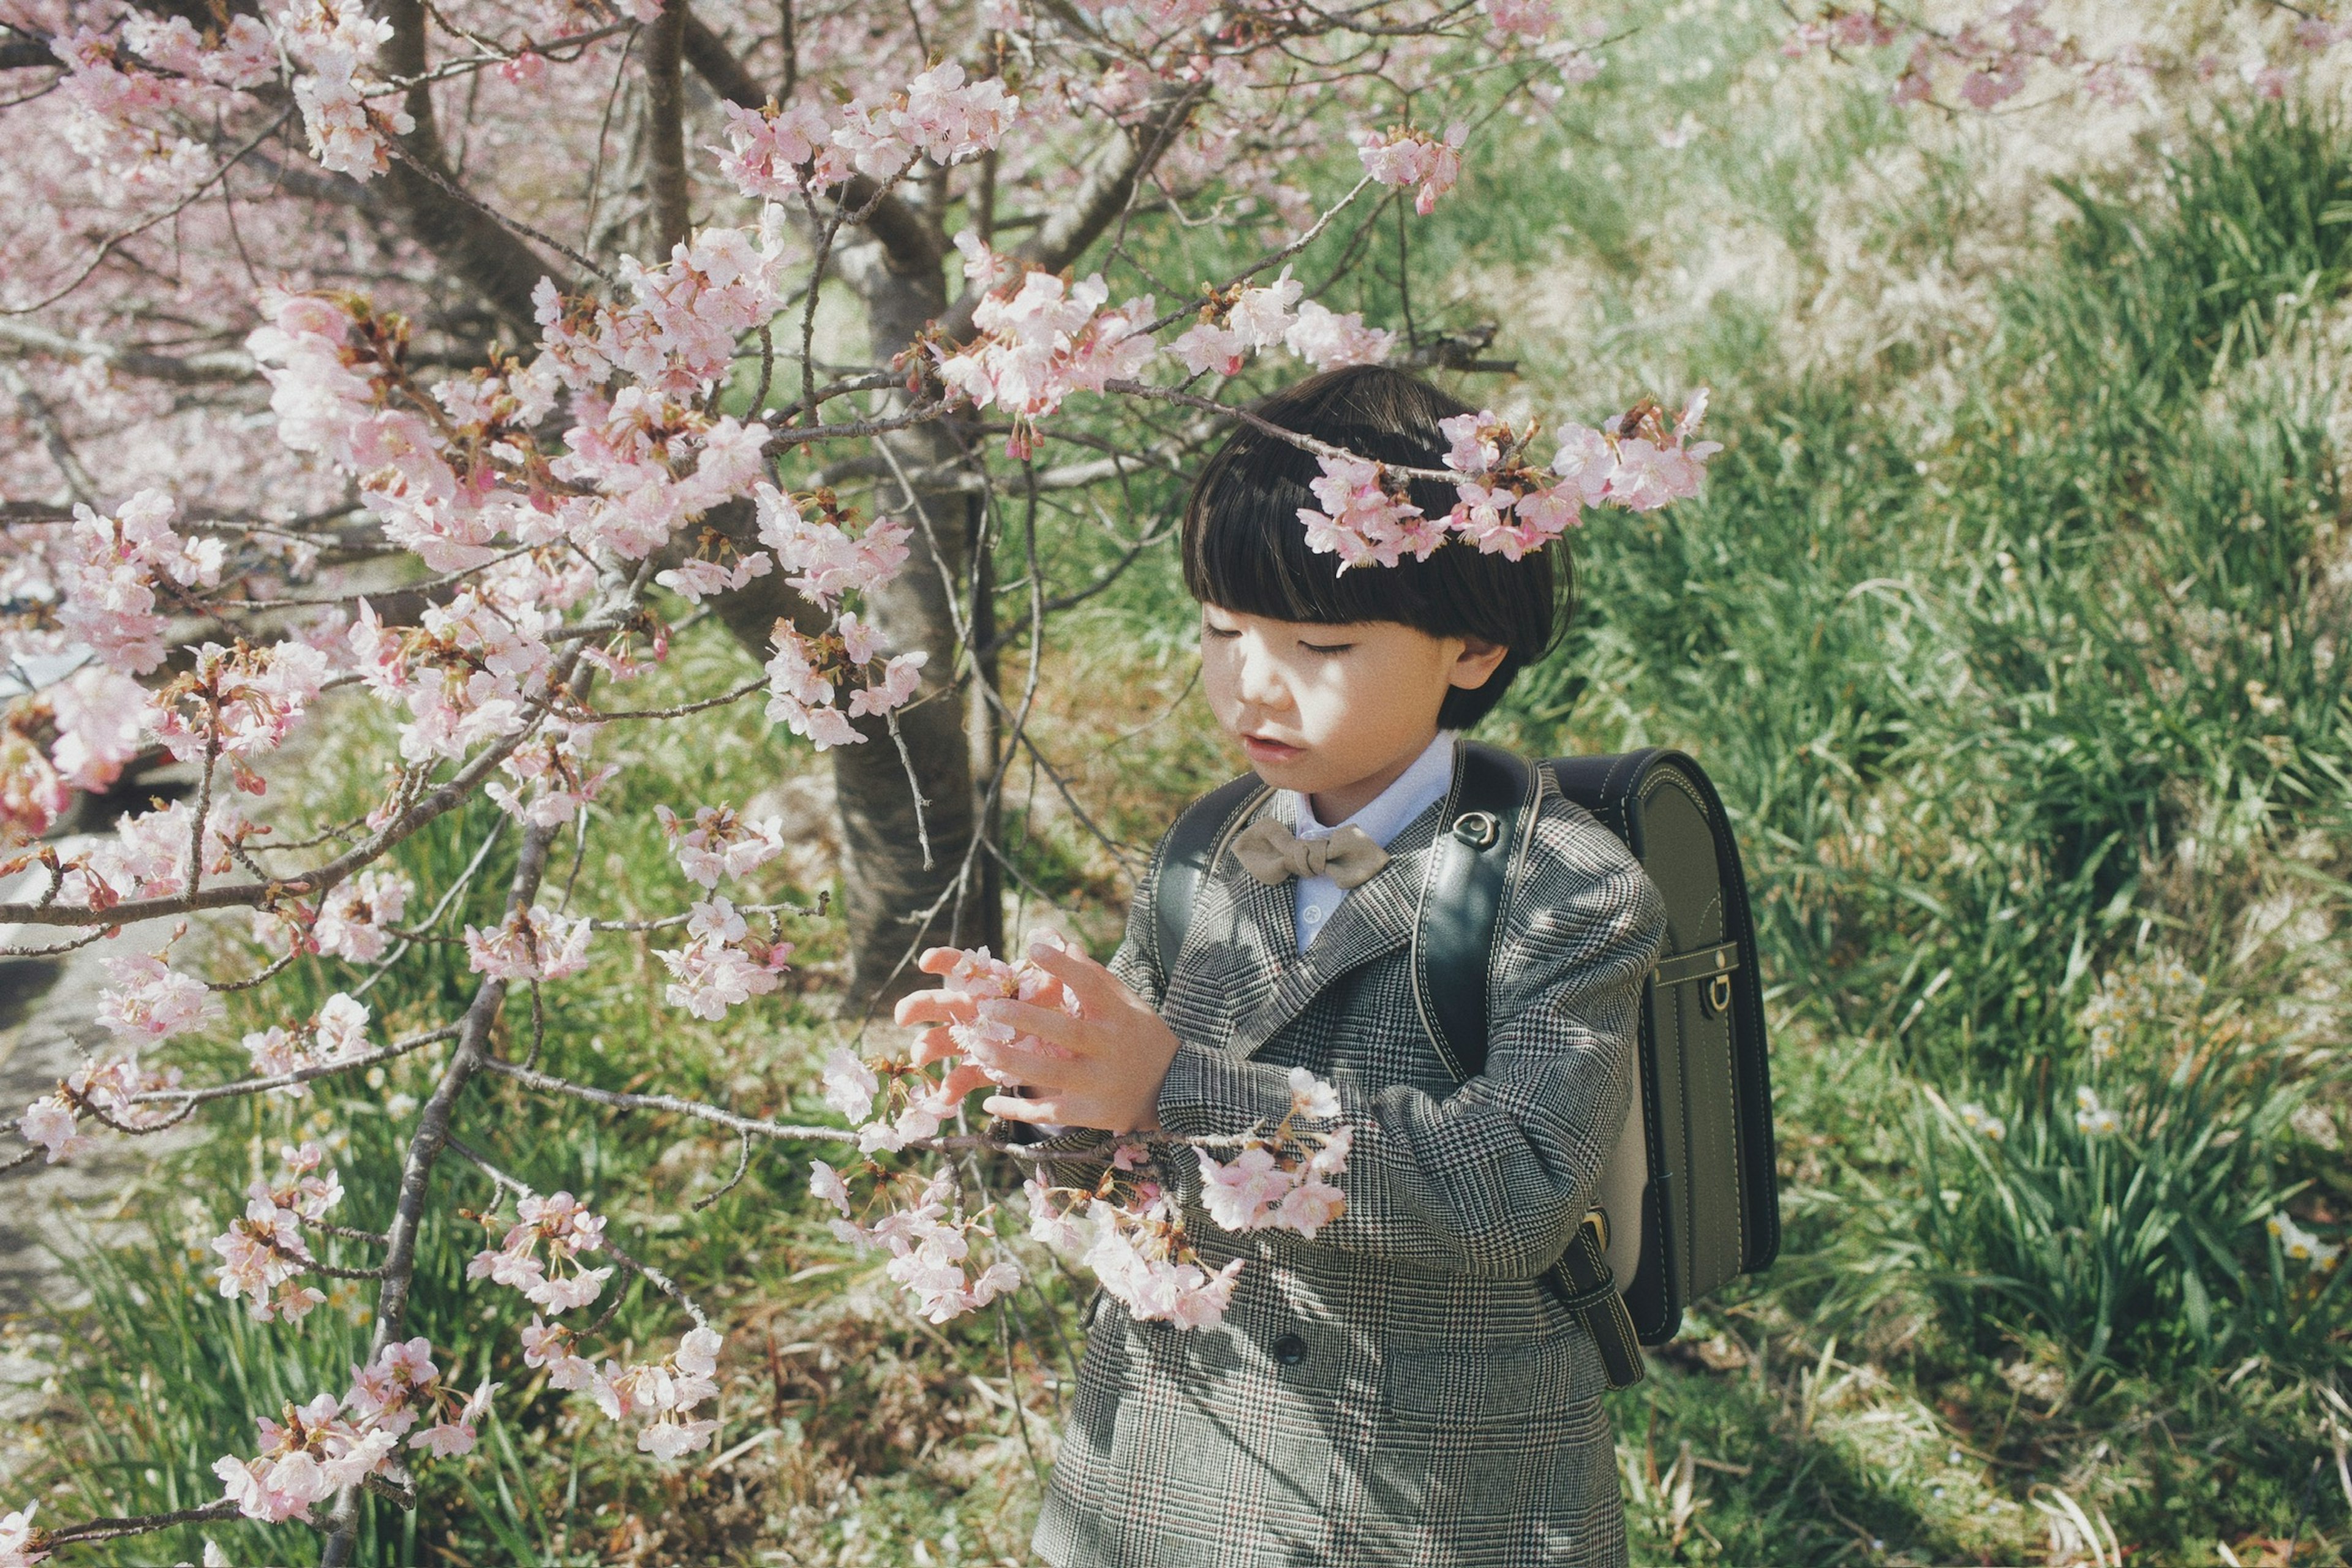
1327 709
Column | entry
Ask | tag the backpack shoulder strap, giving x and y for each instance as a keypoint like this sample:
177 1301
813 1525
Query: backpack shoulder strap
1186 853
1460 918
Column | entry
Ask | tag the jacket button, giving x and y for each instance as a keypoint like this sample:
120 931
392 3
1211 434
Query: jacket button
1291 1349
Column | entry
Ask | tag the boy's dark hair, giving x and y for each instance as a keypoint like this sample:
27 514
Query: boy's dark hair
1245 550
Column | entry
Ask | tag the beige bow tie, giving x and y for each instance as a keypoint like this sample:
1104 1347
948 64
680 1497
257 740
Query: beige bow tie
1272 853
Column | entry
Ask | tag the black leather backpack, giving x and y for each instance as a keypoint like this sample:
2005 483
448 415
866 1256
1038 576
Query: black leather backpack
1691 1196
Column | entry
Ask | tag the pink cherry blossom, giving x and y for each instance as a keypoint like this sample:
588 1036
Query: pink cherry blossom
1311 1096
108 578
353 916
720 843
850 1085
1519 18
1363 520
1408 157
825 1182
776 157
150 1001
19 1537
100 717
1041 340
534 944
1327 339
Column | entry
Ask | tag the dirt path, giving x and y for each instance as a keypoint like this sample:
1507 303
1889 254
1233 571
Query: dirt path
46 1030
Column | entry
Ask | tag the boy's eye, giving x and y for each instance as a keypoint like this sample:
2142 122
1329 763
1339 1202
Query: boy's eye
1208 630
1327 647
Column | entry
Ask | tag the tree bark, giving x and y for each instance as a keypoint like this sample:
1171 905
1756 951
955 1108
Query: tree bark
666 128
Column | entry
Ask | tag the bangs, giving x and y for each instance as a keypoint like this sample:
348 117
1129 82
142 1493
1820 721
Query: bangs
1246 549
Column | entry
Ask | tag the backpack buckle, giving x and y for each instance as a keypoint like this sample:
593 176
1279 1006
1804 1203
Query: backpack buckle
1479 829
1719 995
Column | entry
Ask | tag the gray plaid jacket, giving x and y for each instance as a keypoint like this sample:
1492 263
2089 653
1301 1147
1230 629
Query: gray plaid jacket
1400 1391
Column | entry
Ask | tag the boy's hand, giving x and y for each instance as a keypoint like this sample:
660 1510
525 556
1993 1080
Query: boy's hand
1101 1070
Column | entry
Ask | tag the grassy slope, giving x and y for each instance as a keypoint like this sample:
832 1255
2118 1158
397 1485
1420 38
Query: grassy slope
1964 628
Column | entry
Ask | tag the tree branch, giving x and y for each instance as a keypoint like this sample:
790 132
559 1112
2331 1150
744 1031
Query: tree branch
665 130
904 233
189 370
1101 197
486 256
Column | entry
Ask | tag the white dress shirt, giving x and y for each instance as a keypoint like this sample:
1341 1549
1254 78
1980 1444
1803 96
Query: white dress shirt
1412 792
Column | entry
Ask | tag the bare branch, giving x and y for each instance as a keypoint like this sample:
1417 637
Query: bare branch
181 370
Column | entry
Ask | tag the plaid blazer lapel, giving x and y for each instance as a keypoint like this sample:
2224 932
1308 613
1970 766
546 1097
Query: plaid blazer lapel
1244 934
1375 917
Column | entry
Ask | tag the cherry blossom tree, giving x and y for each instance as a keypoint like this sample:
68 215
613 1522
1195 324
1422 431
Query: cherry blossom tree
444 357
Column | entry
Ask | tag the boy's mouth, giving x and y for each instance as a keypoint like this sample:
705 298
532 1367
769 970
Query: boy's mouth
1261 749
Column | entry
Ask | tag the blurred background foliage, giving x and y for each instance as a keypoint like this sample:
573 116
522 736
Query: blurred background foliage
2010 626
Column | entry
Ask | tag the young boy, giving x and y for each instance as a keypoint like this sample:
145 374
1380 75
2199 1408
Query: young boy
1401 1389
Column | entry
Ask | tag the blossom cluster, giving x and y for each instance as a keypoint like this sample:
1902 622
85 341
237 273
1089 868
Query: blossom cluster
1128 1229
262 1254
107 1089
538 1257
1505 505
1239 322
335 46
723 963
552 780
566 1230
232 703
106 581
1403 156
929 1241
780 155
810 540
338 1034
533 945
329 1443
1040 338
130 98
667 1392
354 917
1132 1238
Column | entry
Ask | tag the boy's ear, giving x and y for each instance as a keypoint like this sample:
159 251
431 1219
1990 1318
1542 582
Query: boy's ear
1477 663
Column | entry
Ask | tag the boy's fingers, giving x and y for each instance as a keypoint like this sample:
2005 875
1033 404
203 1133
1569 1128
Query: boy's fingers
1024 1066
938 960
1099 990
933 1045
1049 1024
1012 1108
960 1082
932 1007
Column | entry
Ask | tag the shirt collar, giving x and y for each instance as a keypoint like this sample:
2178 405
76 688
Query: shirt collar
1413 791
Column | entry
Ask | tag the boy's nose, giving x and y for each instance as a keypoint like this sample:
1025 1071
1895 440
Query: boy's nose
1259 683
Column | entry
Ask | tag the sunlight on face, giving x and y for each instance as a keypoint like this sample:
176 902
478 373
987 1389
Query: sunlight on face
1332 711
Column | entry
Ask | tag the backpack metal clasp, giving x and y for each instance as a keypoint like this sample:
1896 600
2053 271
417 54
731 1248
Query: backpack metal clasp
1479 829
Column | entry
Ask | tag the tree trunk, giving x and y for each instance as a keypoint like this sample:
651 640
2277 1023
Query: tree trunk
897 905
